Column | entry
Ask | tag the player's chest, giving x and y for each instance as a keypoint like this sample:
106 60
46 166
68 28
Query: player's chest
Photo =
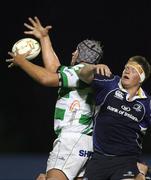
117 104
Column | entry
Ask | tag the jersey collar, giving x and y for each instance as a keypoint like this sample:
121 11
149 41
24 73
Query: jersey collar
139 95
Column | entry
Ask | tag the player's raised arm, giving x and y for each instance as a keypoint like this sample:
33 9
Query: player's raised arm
50 59
86 73
38 73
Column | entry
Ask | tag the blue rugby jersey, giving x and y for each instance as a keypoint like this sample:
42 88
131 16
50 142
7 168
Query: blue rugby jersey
119 124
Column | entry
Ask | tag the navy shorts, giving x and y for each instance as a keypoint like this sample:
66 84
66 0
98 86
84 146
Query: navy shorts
101 167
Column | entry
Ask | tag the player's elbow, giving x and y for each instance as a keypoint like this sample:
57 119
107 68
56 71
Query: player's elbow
84 78
49 80
86 74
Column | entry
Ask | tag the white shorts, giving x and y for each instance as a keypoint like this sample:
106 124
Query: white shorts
70 154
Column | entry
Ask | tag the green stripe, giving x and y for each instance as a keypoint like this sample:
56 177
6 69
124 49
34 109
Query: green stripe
59 113
89 130
63 76
64 79
85 120
58 131
61 68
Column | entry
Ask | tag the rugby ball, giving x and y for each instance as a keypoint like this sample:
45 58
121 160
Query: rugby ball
27 44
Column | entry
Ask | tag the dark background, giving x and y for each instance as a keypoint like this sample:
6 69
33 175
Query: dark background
26 107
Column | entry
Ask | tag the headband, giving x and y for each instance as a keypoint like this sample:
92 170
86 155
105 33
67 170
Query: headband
139 70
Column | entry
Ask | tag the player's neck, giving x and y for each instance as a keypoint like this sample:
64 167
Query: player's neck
133 91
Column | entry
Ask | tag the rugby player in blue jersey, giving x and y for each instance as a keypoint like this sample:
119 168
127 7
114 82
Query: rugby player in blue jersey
123 115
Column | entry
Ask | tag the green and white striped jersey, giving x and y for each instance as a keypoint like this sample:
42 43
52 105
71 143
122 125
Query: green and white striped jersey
74 107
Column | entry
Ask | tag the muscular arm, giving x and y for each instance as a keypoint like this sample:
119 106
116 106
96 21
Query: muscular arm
86 74
38 73
50 59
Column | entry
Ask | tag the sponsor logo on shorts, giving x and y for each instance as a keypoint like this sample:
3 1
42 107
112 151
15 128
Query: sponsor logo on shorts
84 153
125 108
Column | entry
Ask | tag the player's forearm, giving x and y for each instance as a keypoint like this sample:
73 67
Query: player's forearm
39 74
86 74
50 59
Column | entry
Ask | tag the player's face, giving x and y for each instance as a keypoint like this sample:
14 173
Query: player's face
130 77
74 57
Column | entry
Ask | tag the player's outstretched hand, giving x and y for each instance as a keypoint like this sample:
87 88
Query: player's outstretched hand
16 58
35 28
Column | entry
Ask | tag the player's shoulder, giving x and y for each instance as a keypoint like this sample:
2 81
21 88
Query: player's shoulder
111 78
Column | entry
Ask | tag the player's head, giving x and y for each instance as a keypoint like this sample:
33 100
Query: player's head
88 51
141 65
136 71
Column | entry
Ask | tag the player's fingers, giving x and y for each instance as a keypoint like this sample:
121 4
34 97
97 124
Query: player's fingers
107 71
37 20
29 26
11 65
32 21
48 28
9 60
97 70
11 54
28 32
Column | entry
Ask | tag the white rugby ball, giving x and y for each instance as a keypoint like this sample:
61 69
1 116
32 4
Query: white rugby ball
27 44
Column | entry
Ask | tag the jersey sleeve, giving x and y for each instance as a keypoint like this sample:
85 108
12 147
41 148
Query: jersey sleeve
68 77
146 123
102 85
101 82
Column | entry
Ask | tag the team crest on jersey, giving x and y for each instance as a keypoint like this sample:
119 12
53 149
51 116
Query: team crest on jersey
119 94
137 107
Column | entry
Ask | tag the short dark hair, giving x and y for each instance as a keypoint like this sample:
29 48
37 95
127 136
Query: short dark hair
142 61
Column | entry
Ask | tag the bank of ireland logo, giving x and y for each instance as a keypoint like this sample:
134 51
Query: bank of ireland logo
119 94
